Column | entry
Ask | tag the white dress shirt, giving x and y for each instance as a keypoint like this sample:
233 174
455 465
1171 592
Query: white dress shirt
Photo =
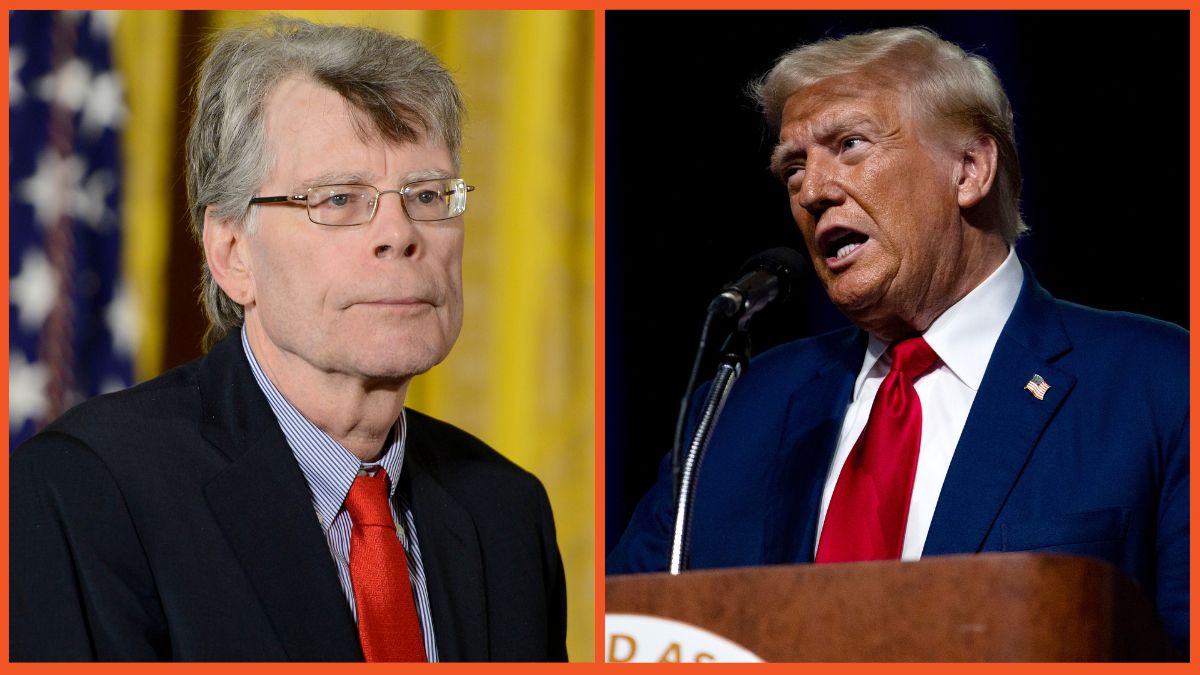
963 338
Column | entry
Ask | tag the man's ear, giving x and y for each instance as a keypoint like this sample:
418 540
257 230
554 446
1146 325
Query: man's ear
977 171
227 251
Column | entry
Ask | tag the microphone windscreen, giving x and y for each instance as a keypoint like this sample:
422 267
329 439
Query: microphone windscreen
785 262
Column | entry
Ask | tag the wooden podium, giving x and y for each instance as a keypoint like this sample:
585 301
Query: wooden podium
991 607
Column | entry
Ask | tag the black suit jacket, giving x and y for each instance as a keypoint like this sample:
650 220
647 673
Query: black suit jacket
170 521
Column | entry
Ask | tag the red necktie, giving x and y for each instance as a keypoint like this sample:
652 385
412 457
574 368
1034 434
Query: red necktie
387 618
868 512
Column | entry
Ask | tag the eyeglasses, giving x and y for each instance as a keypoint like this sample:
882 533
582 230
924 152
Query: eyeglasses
424 200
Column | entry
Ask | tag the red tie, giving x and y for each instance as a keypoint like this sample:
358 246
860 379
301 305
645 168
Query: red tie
387 618
868 512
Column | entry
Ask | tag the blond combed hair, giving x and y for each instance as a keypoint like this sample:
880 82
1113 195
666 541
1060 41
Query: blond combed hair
939 79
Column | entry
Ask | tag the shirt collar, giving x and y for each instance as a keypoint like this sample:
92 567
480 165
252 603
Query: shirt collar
965 334
329 468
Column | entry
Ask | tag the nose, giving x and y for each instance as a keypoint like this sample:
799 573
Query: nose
821 188
393 233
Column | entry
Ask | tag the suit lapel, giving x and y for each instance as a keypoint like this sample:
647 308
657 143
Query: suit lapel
816 409
263 505
1004 425
450 552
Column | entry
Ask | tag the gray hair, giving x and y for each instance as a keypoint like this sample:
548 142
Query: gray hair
939 78
404 95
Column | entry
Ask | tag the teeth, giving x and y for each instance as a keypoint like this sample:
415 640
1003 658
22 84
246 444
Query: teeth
845 250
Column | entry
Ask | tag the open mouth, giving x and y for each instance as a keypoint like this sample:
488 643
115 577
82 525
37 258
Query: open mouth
844 244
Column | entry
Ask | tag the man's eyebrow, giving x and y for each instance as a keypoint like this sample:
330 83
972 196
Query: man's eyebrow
783 154
824 131
369 178
337 178
425 174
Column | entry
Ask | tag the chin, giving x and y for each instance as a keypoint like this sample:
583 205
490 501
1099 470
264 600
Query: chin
852 298
396 366
400 358
861 287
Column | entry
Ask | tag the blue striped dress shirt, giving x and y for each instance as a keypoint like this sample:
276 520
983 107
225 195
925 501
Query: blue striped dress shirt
330 469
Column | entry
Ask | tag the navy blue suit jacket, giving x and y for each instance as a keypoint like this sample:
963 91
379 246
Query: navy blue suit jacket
1099 468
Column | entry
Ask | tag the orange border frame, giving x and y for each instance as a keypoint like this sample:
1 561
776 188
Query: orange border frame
599 6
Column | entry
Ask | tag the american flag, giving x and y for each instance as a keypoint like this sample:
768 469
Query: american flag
70 317
1037 386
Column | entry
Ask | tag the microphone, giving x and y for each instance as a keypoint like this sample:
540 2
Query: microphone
766 277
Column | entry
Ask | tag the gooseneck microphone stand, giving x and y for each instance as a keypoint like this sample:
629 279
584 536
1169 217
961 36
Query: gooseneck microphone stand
767 277
734 359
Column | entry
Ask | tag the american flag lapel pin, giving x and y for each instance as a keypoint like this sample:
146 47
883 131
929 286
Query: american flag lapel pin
1037 386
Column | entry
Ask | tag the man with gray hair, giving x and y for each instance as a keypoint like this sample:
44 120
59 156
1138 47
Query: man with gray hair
274 500
967 410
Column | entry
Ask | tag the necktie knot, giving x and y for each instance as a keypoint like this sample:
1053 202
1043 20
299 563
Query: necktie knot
912 356
368 501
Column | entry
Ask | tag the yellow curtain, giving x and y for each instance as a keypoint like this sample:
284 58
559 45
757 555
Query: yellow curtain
522 374
145 55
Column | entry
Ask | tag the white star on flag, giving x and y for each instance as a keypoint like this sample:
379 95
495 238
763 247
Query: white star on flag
105 105
68 86
26 390
33 290
58 188
51 189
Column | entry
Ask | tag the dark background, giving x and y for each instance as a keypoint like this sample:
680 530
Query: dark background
1101 106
